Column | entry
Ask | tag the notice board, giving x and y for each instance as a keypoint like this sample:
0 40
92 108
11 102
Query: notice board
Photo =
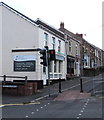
24 66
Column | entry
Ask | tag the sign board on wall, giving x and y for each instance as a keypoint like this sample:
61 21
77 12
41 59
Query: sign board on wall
24 63
24 57
23 66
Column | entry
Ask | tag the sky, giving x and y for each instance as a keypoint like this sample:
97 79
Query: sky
79 16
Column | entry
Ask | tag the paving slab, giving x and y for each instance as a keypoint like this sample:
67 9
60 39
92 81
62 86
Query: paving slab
71 95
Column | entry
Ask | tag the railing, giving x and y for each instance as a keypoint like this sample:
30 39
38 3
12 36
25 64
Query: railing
5 78
55 75
98 84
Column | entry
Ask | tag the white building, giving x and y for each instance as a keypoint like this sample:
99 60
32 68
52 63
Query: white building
20 37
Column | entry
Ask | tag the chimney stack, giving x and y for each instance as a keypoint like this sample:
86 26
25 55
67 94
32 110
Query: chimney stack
79 35
62 25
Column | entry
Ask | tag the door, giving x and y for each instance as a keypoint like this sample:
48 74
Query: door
77 68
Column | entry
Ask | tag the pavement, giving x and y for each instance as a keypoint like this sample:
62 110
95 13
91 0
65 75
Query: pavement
72 95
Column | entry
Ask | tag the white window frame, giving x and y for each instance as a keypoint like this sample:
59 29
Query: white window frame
59 45
45 39
70 46
53 42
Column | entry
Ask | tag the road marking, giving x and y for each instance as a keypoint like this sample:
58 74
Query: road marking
2 106
26 116
33 103
32 112
84 105
78 117
37 110
41 97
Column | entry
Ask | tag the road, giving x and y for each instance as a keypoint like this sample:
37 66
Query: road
90 107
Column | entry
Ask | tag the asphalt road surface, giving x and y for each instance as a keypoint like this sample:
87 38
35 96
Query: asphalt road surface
84 108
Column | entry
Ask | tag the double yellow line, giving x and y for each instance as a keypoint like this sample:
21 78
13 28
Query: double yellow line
27 103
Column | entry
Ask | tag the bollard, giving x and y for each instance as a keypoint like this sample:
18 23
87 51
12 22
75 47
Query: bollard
4 79
25 79
59 86
81 89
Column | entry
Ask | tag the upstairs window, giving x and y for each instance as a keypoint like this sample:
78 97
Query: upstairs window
59 46
76 49
53 43
45 39
70 46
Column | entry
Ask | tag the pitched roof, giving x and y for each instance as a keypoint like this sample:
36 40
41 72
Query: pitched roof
46 25
71 35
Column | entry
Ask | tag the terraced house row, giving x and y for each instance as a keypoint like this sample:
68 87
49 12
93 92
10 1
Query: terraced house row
20 36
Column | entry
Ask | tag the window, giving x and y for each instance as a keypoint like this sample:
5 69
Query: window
59 66
45 39
59 46
76 49
70 46
53 42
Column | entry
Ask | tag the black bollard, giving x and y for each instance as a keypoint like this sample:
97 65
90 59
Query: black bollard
4 79
59 86
81 88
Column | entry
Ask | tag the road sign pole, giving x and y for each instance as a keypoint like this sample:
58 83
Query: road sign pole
81 89
48 67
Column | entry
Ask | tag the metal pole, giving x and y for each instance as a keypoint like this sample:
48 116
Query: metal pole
59 85
81 89
48 68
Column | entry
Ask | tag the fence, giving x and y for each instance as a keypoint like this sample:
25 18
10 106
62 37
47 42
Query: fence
4 78
98 85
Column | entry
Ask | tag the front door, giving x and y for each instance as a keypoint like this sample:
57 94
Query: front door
77 68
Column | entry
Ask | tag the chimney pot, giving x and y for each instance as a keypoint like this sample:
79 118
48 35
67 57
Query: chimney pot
80 35
62 25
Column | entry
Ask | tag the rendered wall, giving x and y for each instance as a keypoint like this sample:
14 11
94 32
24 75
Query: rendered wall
17 33
0 40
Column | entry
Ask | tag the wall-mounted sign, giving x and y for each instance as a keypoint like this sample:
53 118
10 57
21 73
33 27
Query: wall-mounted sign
58 57
24 63
24 66
24 57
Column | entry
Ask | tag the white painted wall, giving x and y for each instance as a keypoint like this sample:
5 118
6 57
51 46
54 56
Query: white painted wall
0 40
17 33
41 45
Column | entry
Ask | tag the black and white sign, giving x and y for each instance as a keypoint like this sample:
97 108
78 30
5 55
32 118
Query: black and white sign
24 66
